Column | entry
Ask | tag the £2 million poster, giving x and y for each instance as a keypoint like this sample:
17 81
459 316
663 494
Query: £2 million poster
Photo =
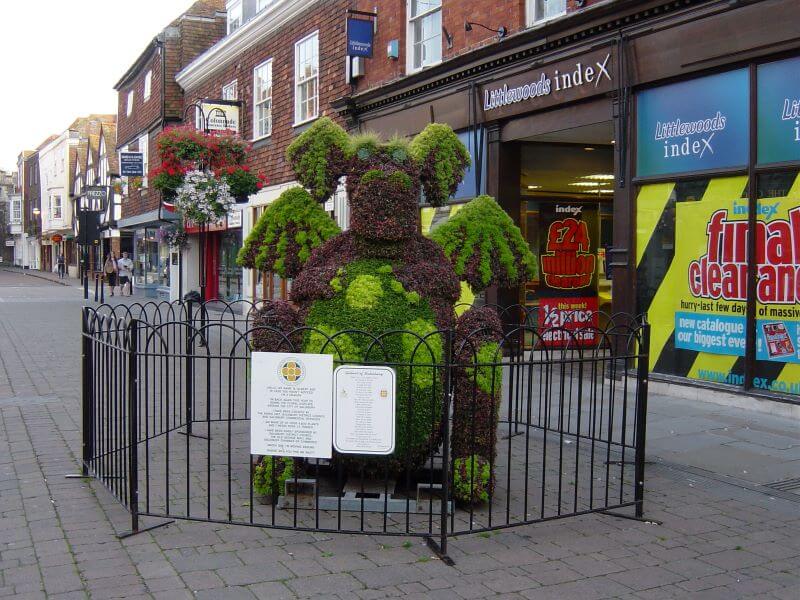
568 273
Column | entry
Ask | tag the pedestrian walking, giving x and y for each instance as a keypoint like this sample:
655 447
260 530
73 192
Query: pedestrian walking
61 266
110 269
125 270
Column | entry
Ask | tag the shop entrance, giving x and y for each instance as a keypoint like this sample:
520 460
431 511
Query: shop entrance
566 215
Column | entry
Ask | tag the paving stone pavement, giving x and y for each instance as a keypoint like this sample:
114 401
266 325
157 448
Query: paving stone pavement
723 534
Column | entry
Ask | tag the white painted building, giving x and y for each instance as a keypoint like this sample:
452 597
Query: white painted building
57 210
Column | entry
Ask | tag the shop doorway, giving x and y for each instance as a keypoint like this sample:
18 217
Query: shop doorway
566 215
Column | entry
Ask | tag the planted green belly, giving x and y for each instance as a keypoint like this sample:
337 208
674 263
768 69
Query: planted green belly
385 323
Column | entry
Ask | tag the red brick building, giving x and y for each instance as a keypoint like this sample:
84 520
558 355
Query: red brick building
150 100
284 64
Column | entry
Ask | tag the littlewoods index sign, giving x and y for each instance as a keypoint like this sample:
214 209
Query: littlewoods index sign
560 82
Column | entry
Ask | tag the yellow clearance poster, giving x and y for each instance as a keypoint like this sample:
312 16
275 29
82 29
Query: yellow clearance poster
711 289
676 232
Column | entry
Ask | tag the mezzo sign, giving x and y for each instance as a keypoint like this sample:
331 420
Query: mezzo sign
564 81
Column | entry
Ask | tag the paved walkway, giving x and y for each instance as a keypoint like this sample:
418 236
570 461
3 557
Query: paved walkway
724 533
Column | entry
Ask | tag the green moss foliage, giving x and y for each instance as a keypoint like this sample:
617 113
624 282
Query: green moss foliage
288 230
319 157
373 301
471 480
442 159
488 377
485 246
271 473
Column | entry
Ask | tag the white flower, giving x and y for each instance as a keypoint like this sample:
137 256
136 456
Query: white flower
203 198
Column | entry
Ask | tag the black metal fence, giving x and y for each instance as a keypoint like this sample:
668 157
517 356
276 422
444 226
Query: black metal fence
559 427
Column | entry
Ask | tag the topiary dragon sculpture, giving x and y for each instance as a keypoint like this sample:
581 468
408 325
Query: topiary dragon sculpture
383 275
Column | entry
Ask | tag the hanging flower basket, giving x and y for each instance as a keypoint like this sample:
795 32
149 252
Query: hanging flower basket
203 198
174 237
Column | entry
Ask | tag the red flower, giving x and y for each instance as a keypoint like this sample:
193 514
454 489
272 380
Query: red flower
259 185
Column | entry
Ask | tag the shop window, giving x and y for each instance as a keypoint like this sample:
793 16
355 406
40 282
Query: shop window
543 10
306 78
150 260
424 33
262 100
697 321
777 325
468 189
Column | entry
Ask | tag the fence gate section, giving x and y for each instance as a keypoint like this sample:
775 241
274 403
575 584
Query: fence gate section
531 431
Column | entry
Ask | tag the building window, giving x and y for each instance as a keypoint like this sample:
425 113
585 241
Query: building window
143 148
234 15
262 4
130 103
306 78
148 84
543 10
231 91
16 211
424 33
55 208
262 100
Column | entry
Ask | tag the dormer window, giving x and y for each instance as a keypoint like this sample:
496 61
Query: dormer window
234 8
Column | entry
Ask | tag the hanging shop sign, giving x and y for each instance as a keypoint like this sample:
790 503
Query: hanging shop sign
696 125
360 33
563 81
292 400
779 111
364 410
568 272
220 115
710 302
131 164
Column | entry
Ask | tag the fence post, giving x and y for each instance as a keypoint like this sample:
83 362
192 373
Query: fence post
448 394
642 371
189 371
87 392
133 423
96 286
102 289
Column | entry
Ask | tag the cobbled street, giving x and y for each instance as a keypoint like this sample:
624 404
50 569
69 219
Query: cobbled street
724 532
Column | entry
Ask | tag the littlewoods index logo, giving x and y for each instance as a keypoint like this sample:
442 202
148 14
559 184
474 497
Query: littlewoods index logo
292 370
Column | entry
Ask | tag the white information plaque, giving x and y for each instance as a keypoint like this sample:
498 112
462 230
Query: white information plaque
363 411
292 399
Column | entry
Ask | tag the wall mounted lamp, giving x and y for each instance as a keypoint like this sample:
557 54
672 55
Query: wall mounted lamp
501 31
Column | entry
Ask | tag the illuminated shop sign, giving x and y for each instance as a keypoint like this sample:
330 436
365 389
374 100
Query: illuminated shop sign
563 81
779 111
696 125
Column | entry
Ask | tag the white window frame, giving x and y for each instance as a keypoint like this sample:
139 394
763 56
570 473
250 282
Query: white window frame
16 211
129 108
258 102
144 140
54 205
410 67
262 4
298 82
235 7
230 91
534 18
148 85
